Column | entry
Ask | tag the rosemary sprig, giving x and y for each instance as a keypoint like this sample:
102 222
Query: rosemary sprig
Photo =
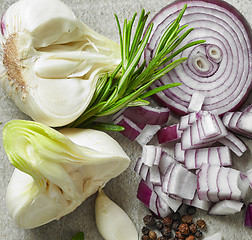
129 83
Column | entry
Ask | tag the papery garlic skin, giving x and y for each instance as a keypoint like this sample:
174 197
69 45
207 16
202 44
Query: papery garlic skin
52 60
53 184
112 222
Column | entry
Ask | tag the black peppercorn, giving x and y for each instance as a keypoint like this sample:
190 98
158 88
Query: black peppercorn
198 234
179 235
175 225
193 228
191 210
159 225
166 232
184 229
190 237
149 220
152 235
187 219
201 223
145 237
161 238
145 230
167 221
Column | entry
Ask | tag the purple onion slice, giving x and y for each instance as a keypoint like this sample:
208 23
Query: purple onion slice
219 69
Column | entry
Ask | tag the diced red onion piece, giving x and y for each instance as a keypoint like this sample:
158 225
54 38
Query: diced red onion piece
166 177
147 196
179 153
146 114
168 134
138 166
155 177
131 130
196 202
147 134
202 182
190 159
226 82
244 186
226 207
233 178
174 204
212 176
224 191
183 122
248 108
234 143
196 102
165 161
216 236
144 171
148 155
163 209
248 216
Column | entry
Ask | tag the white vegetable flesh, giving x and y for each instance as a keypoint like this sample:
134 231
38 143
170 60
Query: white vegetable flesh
52 60
58 174
112 221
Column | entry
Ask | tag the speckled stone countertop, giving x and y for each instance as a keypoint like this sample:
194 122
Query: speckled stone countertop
99 16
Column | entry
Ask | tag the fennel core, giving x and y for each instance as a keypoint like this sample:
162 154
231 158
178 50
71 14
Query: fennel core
127 85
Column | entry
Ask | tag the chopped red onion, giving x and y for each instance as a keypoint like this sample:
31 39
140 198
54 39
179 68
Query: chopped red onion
224 191
244 186
196 202
248 216
168 134
179 153
165 161
196 102
226 207
235 144
220 69
147 134
193 158
146 114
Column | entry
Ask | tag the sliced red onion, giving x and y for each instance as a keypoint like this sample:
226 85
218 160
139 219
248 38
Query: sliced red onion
214 155
147 196
233 178
202 182
220 69
244 186
216 236
168 134
165 161
179 153
155 176
224 191
212 176
226 207
196 102
174 204
131 130
151 155
162 208
199 135
235 144
146 114
166 178
147 134
181 182
239 122
196 202
248 216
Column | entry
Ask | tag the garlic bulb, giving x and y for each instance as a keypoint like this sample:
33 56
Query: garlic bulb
112 222
54 174
51 61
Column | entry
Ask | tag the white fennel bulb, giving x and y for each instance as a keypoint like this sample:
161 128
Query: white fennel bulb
51 61
55 172
112 221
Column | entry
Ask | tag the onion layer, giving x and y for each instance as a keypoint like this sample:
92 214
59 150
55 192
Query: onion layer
219 69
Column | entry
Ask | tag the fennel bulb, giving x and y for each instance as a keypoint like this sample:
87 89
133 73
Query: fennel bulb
55 172
112 222
51 61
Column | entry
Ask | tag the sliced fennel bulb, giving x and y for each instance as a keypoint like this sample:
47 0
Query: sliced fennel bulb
51 60
54 174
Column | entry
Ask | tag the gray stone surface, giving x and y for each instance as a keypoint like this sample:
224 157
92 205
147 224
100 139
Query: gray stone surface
99 16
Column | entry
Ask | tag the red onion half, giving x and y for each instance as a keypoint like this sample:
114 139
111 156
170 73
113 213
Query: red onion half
219 69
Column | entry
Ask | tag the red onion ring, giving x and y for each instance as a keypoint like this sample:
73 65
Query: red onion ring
219 69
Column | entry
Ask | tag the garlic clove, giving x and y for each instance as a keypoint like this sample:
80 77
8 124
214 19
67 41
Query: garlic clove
112 222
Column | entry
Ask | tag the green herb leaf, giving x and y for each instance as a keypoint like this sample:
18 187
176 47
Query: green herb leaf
78 236
128 84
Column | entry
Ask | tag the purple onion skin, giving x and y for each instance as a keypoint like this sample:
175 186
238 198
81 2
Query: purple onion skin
248 29
2 25
248 216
